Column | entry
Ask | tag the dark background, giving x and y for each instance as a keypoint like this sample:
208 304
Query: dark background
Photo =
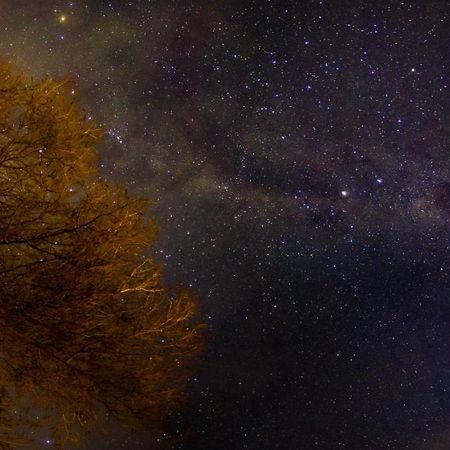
297 153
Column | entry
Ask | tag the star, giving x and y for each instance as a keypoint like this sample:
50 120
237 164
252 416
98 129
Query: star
218 117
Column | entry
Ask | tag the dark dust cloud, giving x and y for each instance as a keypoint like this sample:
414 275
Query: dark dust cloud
298 157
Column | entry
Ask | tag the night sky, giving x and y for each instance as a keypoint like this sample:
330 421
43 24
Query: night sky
298 157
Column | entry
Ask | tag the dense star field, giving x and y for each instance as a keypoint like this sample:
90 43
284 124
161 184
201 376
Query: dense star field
298 157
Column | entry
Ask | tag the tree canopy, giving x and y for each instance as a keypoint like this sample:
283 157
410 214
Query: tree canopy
86 323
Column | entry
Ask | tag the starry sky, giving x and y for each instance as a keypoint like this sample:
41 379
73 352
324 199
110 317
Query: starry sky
297 154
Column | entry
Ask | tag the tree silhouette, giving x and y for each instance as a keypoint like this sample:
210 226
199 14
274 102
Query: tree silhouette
86 323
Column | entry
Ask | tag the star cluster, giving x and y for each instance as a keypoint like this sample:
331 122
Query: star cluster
297 154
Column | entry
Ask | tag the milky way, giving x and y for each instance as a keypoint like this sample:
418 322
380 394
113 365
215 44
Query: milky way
297 154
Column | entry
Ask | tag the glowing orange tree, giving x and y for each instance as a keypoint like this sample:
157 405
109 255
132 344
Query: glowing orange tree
86 325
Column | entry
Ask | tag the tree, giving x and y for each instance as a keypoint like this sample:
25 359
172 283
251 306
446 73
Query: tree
86 323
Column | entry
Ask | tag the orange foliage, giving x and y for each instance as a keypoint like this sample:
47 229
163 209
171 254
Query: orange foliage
86 323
